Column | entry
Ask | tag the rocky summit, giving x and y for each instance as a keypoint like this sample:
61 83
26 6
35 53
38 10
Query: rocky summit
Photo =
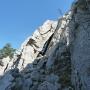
55 57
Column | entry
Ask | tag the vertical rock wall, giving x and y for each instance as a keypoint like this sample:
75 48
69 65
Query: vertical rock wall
55 57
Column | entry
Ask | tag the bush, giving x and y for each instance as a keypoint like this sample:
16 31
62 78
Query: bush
7 50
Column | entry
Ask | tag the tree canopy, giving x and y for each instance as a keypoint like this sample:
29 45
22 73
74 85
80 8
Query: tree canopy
7 50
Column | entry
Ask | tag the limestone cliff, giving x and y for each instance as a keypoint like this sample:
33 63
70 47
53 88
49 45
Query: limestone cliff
55 57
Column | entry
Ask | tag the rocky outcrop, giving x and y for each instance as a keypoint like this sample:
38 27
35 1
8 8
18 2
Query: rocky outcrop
81 47
55 57
3 65
33 45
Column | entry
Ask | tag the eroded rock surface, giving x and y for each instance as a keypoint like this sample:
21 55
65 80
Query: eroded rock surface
55 57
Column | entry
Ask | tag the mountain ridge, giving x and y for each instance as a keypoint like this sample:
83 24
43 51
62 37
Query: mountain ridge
55 57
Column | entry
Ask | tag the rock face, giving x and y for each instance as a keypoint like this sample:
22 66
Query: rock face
55 57
33 45
4 65
81 50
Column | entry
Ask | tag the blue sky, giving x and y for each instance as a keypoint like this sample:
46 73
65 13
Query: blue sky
19 18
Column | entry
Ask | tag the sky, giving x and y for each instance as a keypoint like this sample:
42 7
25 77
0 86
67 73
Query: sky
20 18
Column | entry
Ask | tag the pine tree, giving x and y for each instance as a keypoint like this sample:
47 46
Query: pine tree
7 50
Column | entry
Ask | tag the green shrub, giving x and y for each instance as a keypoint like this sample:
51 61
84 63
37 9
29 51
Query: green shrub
7 50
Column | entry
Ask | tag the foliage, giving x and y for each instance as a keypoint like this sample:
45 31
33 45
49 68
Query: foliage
7 50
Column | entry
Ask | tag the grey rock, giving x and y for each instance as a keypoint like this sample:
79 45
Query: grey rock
47 86
62 53
35 75
52 78
27 84
6 81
